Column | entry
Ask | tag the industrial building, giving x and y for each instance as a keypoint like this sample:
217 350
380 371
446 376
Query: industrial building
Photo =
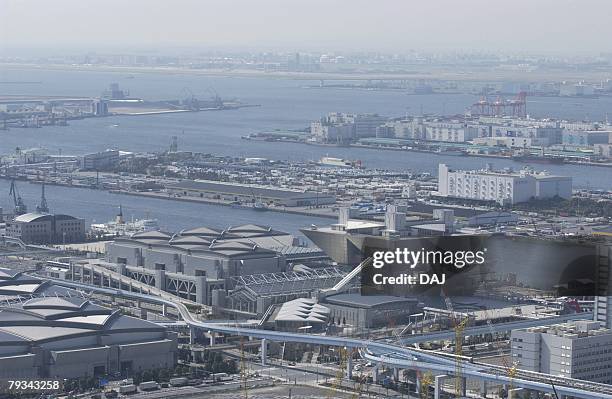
341 127
196 263
579 349
363 311
343 241
101 161
47 331
504 187
586 138
46 228
301 314
249 193
257 293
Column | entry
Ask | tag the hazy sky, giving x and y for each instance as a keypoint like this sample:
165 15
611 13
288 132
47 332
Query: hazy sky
530 25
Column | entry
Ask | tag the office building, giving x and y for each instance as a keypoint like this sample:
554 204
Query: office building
580 349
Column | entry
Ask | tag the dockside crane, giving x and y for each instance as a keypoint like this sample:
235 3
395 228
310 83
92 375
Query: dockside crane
20 206
43 207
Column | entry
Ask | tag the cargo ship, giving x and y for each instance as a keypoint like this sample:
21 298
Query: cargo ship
340 163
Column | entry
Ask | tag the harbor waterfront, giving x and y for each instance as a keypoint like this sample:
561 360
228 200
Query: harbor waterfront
98 206
285 104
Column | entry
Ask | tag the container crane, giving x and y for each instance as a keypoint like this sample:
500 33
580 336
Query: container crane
20 206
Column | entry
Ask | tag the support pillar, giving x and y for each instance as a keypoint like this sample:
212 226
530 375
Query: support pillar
264 351
417 384
439 380
375 374
483 388
514 393
164 310
463 387
396 374
212 338
192 335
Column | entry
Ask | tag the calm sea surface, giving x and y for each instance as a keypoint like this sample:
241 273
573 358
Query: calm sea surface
285 104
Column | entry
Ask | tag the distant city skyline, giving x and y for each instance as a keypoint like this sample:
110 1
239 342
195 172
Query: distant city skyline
546 26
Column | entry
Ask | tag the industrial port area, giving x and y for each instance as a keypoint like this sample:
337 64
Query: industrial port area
234 219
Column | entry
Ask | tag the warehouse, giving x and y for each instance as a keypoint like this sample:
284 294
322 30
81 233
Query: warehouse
249 193
361 311
45 228
55 333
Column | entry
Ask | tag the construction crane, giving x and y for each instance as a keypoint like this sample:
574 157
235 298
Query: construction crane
511 369
426 380
459 327
43 207
20 207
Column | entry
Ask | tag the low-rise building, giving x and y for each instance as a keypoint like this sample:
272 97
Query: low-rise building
249 192
586 138
361 311
504 187
104 160
46 228
58 334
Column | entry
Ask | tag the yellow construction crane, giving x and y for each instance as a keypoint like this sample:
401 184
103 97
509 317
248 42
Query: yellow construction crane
426 379
244 372
458 326
511 370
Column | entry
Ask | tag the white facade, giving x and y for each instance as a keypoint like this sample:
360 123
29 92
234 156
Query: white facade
581 349
485 185
455 132
500 186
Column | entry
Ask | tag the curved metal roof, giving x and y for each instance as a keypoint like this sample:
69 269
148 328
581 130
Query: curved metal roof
54 313
38 217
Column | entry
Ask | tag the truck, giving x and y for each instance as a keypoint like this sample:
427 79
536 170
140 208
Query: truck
149 386
218 376
178 381
127 389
